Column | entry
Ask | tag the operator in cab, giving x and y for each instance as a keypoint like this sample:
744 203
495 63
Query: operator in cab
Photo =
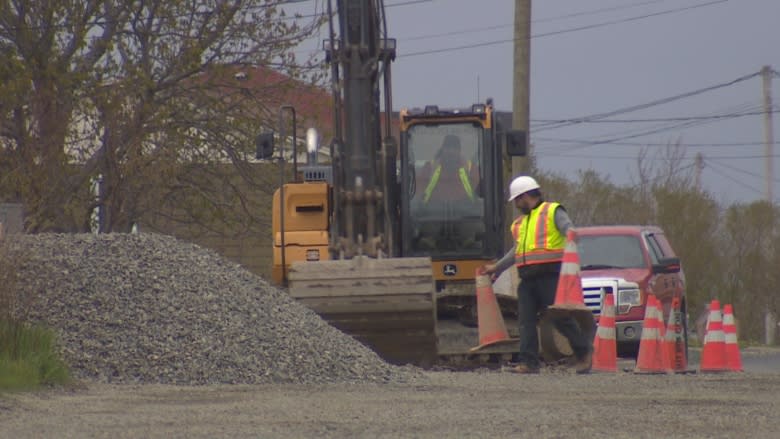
449 177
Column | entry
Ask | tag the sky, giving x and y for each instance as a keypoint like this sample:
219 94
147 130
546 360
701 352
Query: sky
590 57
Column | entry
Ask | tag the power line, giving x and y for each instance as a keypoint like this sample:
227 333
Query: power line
541 20
597 116
595 11
692 145
741 157
659 119
741 171
409 2
735 180
559 32
634 157
389 5
616 137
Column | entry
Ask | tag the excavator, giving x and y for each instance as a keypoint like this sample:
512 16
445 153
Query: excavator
365 240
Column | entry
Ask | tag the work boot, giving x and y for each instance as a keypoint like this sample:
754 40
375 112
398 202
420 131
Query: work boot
584 364
524 369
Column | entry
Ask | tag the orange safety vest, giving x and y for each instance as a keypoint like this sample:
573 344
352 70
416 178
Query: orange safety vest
538 240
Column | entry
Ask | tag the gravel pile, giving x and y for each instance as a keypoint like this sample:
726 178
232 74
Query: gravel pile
148 308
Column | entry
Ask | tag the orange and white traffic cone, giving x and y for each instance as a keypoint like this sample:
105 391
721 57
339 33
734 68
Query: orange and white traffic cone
569 301
733 357
653 353
675 340
492 330
604 345
713 354
569 292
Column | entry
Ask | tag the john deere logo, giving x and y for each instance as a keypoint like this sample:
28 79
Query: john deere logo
450 269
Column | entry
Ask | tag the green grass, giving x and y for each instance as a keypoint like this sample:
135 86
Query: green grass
28 353
28 357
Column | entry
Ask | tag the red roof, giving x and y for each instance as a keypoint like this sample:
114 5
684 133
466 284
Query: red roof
313 104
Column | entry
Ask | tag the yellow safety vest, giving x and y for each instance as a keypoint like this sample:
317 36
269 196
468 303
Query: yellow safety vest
464 180
538 240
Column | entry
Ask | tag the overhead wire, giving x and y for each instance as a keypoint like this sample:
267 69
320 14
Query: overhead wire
661 119
559 32
595 11
683 144
740 170
597 116
633 133
541 20
742 157
736 111
739 182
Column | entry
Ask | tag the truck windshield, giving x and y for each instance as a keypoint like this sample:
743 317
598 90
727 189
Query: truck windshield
446 208
610 251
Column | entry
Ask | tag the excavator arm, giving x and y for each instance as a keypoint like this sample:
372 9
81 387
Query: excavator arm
386 302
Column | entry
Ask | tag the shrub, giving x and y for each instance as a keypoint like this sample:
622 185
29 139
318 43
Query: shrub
28 353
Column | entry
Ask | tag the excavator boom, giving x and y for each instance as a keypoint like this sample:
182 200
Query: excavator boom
386 302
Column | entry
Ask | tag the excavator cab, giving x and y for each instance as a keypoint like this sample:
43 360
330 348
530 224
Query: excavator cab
452 209
452 201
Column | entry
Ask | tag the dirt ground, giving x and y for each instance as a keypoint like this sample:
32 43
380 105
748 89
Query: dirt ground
485 403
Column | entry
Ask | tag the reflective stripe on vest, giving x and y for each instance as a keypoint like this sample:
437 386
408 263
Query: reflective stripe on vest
538 240
464 180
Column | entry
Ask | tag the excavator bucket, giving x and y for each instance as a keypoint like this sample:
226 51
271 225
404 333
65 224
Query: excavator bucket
388 304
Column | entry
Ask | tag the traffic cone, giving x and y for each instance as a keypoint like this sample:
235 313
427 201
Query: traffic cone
569 301
569 291
604 345
492 330
675 341
713 354
733 357
653 354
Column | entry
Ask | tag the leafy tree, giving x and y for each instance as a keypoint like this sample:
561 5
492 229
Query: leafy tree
144 95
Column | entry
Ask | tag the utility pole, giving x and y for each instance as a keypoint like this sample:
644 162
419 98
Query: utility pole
769 137
521 79
698 168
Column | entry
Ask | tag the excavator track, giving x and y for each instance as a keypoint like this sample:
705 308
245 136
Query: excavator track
388 304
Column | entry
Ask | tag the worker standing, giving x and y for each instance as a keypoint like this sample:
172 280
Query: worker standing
540 236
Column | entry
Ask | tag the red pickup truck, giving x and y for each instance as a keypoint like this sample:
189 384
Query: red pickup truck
630 262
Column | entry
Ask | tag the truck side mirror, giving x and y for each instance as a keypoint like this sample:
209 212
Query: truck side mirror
667 265
516 143
264 144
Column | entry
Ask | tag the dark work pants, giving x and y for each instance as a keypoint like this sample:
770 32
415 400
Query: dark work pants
534 295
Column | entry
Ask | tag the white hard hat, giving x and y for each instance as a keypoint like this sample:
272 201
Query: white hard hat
521 185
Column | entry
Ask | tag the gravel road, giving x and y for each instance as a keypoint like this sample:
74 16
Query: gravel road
168 340
554 404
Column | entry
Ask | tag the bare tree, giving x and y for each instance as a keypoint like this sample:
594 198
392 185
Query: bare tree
752 232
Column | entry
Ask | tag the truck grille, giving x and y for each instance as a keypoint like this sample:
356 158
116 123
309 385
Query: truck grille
593 291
